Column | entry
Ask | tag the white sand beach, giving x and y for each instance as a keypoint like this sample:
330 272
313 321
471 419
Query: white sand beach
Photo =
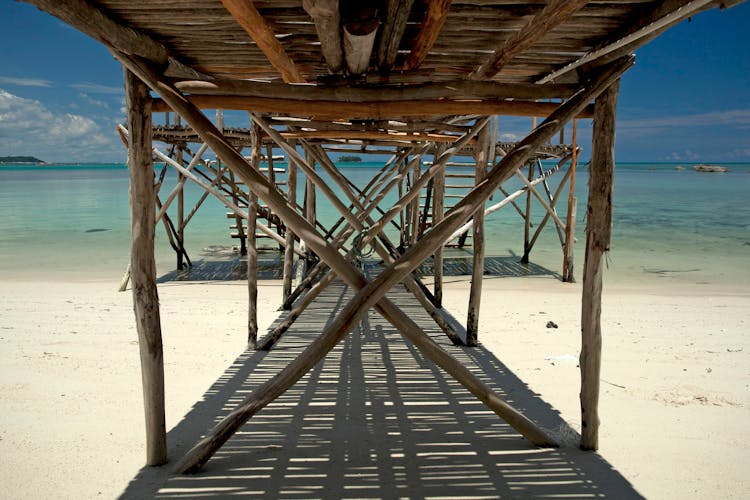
675 398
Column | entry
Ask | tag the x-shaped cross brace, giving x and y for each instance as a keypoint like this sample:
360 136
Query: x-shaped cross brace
370 293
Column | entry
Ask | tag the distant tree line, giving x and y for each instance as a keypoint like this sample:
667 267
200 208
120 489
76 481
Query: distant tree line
350 158
20 159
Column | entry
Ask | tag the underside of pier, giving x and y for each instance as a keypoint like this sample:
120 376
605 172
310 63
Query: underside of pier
424 85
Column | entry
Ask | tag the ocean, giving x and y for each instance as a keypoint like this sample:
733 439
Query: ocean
670 225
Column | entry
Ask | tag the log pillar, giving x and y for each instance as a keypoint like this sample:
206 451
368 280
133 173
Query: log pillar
527 216
415 205
570 222
143 266
310 213
180 207
438 208
252 249
291 195
598 233
475 292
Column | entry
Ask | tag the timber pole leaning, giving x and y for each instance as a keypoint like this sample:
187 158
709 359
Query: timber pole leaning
598 235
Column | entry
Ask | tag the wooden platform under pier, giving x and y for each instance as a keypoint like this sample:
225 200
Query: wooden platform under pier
270 267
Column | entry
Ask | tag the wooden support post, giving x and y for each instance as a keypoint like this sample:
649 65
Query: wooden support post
438 208
310 211
143 266
291 196
401 217
180 210
527 216
477 271
414 214
252 249
252 272
598 234
570 222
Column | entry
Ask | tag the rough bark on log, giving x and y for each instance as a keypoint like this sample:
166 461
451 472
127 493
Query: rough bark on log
325 14
143 267
598 235
248 17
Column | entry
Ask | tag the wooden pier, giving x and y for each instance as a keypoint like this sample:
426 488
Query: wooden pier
419 82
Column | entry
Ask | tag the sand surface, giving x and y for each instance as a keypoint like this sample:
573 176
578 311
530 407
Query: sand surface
675 401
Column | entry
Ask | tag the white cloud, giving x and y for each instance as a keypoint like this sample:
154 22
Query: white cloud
740 153
686 155
93 102
95 88
24 82
732 117
28 127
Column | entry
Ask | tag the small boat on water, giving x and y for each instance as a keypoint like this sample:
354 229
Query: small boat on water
710 168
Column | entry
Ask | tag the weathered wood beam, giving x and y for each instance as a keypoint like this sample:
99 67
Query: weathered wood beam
143 267
429 30
369 135
255 25
359 26
555 13
455 89
104 27
325 14
396 17
598 236
335 110
659 20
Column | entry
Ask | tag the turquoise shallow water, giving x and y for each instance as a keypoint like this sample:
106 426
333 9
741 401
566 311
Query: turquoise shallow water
671 226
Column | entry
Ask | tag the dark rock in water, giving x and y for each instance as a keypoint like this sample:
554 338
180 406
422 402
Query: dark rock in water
551 324
97 230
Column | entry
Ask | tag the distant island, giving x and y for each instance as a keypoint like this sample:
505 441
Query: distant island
21 159
350 158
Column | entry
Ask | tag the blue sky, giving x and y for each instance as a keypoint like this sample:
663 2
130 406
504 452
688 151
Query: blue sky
687 98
